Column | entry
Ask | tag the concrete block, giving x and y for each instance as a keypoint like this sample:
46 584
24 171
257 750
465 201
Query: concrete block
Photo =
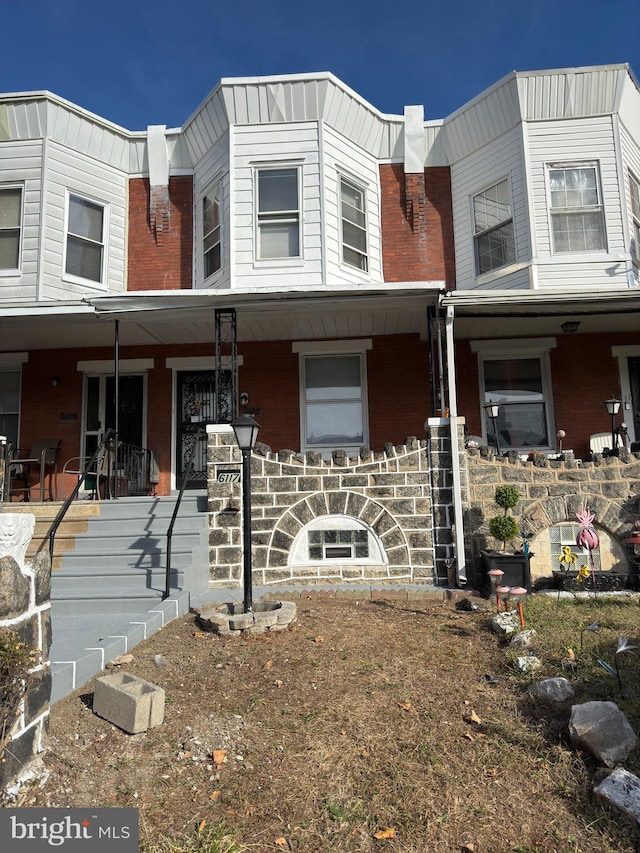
128 702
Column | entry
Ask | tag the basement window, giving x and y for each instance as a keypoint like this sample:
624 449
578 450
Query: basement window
337 539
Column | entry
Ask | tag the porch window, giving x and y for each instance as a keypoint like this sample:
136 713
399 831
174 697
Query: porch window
10 228
85 239
565 534
354 225
634 192
577 216
494 239
9 404
333 401
211 233
520 388
278 213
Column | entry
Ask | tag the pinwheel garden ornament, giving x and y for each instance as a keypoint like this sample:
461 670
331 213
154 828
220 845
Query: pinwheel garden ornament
588 538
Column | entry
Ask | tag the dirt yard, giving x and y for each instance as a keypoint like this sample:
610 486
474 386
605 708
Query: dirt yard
365 726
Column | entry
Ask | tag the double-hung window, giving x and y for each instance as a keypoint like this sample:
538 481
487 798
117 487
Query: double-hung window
211 233
278 208
85 239
354 225
10 228
634 192
493 228
577 216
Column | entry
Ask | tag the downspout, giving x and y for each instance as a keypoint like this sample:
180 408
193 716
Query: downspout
458 518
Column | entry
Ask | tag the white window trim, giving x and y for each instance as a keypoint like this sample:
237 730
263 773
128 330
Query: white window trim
214 190
328 348
12 272
635 220
299 553
275 164
107 366
494 271
360 186
106 208
531 348
572 254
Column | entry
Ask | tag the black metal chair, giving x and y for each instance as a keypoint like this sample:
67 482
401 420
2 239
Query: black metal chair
42 457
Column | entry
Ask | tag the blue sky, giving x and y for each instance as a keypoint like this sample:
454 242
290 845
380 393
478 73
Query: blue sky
137 62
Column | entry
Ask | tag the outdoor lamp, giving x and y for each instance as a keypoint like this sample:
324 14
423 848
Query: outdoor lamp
492 409
613 407
495 576
246 430
518 593
503 593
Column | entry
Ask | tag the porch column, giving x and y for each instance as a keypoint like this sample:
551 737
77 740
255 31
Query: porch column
458 528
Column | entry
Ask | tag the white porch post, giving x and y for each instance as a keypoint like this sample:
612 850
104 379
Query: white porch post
458 528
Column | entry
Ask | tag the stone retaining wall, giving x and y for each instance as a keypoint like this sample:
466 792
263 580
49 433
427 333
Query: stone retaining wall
386 493
25 609
553 491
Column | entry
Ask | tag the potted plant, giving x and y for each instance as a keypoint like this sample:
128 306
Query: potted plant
504 528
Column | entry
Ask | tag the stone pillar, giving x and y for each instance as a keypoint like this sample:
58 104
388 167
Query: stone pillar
25 609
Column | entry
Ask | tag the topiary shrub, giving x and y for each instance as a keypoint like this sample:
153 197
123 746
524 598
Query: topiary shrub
504 527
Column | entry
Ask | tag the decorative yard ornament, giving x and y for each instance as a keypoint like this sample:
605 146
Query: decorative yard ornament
587 538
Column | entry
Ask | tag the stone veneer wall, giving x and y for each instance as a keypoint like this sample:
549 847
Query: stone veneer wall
552 491
25 608
390 492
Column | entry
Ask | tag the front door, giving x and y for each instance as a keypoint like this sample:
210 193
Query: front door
195 408
634 382
100 410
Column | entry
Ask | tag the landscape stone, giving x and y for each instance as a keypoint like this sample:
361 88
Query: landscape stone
527 663
603 730
505 624
557 690
523 639
621 789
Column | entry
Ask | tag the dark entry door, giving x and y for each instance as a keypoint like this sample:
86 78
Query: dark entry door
195 408
634 381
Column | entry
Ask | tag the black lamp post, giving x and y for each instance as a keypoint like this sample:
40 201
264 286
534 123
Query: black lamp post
613 407
492 409
246 430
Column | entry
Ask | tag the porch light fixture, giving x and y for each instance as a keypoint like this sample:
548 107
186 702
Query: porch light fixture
613 407
570 327
246 430
492 409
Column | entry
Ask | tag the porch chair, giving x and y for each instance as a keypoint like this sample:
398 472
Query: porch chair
43 457
599 441
97 480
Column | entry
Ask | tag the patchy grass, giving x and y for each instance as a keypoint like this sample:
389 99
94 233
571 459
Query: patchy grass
366 726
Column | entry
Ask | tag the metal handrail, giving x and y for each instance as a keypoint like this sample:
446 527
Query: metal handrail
188 469
88 470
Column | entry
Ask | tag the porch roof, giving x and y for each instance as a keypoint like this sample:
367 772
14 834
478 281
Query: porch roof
508 313
186 317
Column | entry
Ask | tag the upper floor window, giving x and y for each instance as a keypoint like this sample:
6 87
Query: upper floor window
354 225
85 239
278 207
494 239
634 191
211 233
576 208
10 227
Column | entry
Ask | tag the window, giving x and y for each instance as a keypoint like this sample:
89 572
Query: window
333 401
493 228
354 225
565 534
85 239
634 191
211 233
576 209
278 208
9 404
10 227
338 544
337 539
518 385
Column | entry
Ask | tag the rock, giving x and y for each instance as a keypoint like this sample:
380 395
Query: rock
603 730
557 690
523 639
505 624
527 663
621 789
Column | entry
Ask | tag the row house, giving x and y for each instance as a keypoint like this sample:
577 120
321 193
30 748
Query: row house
349 277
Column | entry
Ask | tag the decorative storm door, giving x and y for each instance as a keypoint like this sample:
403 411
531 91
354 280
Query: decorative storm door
196 407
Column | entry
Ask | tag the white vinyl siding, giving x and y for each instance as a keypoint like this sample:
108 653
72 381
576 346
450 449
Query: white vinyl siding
576 208
211 178
354 225
277 213
493 228
10 229
488 166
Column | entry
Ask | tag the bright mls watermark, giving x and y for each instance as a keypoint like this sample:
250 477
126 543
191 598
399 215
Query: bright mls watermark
35 830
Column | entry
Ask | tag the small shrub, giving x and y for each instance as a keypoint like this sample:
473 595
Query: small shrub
16 658
506 497
504 528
